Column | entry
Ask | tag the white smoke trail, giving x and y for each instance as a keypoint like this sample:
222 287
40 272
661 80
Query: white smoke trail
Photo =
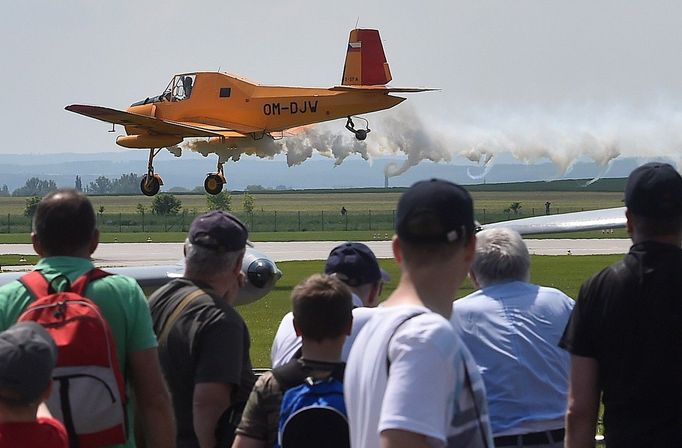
563 137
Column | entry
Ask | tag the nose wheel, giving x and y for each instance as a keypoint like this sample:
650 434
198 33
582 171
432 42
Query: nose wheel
360 134
214 181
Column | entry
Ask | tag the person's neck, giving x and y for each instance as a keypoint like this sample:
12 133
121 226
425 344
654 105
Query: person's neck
675 240
426 288
23 414
327 350
216 283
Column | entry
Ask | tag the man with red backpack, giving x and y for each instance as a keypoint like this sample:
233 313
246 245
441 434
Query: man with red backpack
64 236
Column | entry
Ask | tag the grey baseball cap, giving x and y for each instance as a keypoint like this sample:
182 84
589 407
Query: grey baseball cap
28 355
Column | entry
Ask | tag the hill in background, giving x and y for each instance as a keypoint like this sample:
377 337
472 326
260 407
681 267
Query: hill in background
318 172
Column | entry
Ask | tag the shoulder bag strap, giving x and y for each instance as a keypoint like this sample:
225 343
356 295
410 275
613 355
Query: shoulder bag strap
36 284
163 334
395 330
82 282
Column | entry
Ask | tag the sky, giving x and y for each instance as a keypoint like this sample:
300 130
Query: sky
540 79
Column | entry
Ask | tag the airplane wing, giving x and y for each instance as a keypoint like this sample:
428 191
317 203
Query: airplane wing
261 275
610 218
383 89
158 125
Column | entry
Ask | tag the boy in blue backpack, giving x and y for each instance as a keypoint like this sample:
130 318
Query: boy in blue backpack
310 388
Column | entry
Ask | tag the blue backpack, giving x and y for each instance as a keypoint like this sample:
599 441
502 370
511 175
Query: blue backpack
313 414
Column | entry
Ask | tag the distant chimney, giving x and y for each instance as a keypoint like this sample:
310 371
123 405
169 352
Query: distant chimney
385 181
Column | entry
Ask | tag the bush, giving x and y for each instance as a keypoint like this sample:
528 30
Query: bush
165 204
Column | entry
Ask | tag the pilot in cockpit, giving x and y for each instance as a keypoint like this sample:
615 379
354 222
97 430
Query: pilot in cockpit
187 85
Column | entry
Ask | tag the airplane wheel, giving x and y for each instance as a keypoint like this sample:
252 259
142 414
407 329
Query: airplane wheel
149 188
213 184
361 134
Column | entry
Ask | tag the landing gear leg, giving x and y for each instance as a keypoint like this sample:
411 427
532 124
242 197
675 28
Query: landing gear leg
151 182
360 134
214 181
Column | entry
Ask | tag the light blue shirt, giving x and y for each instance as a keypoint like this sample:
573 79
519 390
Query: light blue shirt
512 329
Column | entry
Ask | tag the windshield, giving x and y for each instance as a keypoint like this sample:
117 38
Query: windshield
180 88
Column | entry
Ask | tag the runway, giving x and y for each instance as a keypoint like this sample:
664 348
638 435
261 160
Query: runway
150 254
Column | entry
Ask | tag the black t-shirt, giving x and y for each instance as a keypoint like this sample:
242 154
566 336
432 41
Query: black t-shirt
629 318
209 343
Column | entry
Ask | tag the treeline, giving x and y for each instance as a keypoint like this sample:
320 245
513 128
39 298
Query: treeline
125 184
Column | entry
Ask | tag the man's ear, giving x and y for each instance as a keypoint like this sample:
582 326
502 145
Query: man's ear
237 268
36 244
397 252
629 222
94 242
470 253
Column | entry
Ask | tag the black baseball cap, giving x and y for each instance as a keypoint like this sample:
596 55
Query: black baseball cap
219 231
355 264
435 211
654 190
28 355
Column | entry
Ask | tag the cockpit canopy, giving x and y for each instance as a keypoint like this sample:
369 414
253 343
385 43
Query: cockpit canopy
178 89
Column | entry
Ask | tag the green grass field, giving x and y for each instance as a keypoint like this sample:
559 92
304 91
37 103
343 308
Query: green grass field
311 215
492 201
563 272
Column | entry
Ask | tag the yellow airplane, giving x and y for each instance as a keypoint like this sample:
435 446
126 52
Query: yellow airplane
227 108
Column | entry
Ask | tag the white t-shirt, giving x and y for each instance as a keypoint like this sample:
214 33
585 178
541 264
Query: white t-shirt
286 343
433 388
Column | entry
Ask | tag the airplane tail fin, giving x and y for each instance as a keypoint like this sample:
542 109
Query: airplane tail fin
365 60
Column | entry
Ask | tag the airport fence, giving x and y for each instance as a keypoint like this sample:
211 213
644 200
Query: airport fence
264 221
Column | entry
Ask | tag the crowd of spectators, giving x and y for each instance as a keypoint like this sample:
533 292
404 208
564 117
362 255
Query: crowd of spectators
512 364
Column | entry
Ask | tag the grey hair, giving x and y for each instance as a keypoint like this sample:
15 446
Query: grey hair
208 262
501 255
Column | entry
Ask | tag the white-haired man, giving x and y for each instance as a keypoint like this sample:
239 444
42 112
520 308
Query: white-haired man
512 328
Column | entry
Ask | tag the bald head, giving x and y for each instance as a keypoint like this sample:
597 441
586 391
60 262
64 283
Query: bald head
64 223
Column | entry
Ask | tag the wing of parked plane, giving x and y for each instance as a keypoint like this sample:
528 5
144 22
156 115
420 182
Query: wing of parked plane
261 275
609 218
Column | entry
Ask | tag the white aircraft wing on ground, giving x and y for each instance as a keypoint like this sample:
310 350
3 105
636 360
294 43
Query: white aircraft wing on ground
261 275
610 218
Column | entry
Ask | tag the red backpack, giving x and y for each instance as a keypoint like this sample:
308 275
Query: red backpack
88 392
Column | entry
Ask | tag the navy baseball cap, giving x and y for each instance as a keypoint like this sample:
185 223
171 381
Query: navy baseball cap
28 355
219 231
435 211
654 190
355 264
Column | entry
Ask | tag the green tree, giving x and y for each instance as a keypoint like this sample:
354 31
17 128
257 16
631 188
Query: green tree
248 203
100 210
257 187
101 185
4 191
220 201
31 205
36 187
78 184
127 183
141 209
515 207
166 204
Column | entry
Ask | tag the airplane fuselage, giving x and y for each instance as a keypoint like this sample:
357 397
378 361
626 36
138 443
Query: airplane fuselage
229 102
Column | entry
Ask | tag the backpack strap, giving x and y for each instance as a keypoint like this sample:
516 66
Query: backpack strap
82 282
290 374
395 330
36 284
163 334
